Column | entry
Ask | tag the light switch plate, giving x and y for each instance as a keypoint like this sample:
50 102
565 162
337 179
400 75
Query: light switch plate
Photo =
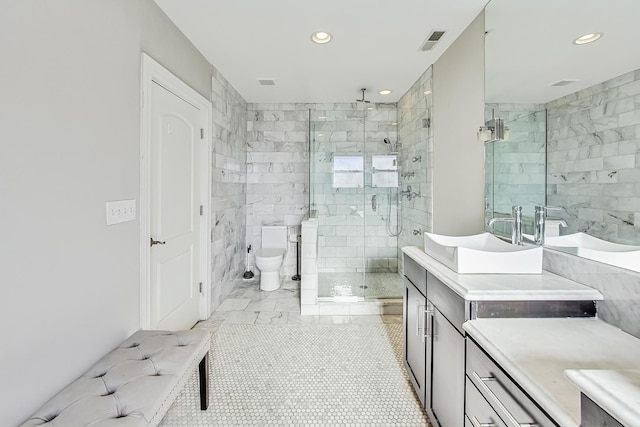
121 211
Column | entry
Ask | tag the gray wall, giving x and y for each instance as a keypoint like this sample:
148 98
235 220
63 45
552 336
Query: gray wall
70 136
458 157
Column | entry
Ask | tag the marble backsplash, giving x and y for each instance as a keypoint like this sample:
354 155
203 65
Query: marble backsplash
620 287
593 161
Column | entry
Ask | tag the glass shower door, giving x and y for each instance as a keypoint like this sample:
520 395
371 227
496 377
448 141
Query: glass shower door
354 168
337 194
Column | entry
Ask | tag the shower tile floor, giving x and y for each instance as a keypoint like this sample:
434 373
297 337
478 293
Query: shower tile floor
271 366
371 286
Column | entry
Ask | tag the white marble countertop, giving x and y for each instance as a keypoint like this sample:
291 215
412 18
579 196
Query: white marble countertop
615 391
505 287
536 352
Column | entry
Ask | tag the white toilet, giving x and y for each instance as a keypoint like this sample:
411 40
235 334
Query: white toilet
270 256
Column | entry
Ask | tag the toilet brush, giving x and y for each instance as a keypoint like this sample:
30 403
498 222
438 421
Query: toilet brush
248 275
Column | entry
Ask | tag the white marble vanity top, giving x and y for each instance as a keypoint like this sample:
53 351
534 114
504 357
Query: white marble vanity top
615 391
537 352
505 287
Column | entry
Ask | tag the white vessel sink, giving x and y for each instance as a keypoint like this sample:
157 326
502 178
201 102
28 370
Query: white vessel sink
581 244
483 253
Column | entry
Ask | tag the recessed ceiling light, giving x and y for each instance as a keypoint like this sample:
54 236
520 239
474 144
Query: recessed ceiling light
321 37
384 92
587 38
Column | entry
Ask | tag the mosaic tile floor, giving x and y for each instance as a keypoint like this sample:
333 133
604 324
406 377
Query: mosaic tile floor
377 285
271 366
312 375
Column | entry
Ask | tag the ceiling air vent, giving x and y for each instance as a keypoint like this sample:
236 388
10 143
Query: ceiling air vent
564 82
432 40
267 82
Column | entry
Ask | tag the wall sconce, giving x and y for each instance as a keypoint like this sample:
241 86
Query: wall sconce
493 130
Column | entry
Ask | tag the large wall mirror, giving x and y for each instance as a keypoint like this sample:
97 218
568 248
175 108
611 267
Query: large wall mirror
580 103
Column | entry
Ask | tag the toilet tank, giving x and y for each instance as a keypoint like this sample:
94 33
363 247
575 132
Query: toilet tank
274 236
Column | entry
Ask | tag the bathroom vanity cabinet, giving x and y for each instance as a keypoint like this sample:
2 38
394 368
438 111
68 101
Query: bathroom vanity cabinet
494 398
415 302
439 301
447 341
434 349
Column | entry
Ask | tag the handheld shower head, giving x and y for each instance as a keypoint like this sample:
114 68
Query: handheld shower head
387 141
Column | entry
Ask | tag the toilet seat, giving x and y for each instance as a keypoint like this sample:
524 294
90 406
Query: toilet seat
270 254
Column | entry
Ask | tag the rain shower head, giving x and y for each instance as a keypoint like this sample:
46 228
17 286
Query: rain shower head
363 100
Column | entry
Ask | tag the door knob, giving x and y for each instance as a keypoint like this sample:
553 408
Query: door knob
156 242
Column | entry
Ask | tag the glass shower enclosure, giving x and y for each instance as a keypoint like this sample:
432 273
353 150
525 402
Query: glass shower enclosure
354 172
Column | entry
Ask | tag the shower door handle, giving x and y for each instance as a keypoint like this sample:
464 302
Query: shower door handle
374 202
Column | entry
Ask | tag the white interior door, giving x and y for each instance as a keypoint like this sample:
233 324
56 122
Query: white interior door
174 211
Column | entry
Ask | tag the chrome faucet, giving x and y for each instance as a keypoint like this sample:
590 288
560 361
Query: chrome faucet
516 224
540 220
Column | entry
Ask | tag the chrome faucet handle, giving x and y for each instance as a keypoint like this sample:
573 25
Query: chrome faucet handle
516 233
516 224
539 222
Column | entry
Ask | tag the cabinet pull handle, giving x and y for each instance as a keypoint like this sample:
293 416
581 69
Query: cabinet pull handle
428 329
419 308
477 423
482 382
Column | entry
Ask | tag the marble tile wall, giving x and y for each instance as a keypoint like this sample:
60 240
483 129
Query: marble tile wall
352 236
277 172
620 287
416 137
515 169
228 202
593 162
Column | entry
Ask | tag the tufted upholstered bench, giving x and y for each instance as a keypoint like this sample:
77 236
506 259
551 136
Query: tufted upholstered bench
134 385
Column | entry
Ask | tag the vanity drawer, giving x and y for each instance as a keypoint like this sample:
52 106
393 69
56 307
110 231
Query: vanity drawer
450 304
505 397
416 273
478 410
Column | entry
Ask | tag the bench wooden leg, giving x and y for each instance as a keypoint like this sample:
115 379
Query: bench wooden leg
204 382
